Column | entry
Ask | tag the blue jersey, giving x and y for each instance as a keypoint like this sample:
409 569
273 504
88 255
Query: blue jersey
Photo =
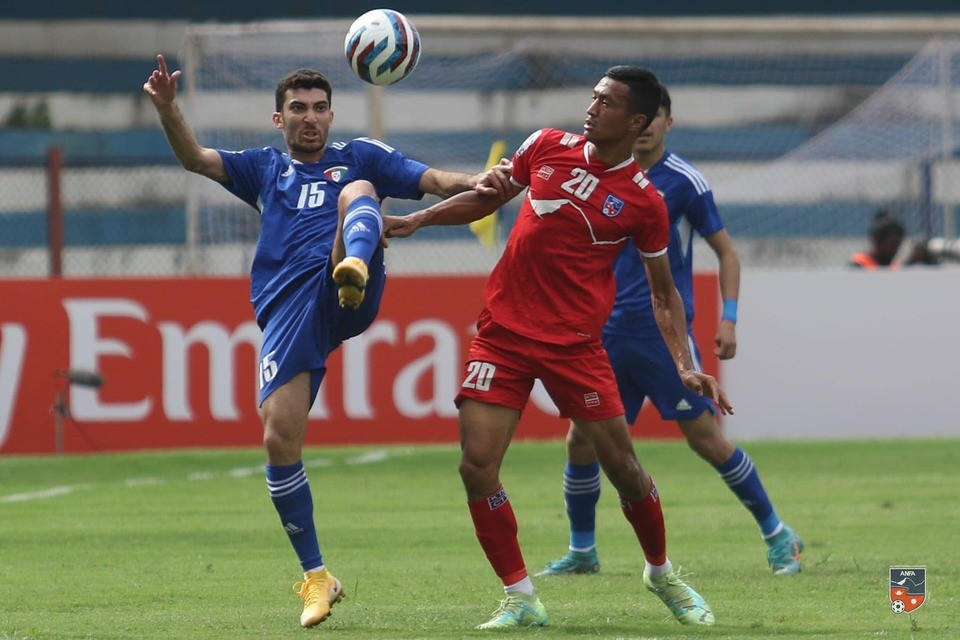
691 208
298 204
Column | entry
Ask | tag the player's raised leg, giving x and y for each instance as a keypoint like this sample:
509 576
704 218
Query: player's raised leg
284 427
640 503
485 432
581 493
359 231
737 470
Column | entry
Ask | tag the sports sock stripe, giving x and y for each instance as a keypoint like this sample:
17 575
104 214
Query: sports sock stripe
280 488
366 212
739 473
578 486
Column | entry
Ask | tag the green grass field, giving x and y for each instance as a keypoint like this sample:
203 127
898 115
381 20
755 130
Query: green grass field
187 545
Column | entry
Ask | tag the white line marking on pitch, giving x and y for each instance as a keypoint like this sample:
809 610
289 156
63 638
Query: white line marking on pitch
52 492
143 482
370 457
246 472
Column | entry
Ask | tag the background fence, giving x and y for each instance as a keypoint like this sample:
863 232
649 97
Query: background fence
803 127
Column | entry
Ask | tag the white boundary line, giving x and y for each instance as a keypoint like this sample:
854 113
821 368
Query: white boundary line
41 494
369 457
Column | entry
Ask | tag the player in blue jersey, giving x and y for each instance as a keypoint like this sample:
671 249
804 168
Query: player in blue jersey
317 275
644 368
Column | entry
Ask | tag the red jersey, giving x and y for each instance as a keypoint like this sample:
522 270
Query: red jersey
554 282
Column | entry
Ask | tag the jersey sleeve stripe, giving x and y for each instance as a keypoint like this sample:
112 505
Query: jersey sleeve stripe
694 176
376 143
693 353
655 254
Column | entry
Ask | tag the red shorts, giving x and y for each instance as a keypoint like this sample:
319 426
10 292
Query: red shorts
502 366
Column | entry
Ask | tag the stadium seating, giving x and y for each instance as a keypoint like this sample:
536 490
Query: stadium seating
102 122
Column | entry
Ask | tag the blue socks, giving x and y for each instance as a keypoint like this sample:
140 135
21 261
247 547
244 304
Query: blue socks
362 228
581 492
291 496
742 478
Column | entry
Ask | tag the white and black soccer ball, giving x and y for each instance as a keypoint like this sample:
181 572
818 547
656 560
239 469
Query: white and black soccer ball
898 606
382 46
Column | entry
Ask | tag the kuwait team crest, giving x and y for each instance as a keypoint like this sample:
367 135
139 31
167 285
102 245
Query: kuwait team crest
908 587
335 173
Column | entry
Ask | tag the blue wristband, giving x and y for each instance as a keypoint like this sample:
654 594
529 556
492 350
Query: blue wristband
729 311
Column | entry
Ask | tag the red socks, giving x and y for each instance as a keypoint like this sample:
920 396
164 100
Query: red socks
496 527
646 518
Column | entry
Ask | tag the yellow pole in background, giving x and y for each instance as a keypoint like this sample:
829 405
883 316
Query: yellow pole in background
486 228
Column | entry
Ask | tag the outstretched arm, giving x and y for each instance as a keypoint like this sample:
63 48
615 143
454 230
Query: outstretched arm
672 321
161 86
493 181
462 208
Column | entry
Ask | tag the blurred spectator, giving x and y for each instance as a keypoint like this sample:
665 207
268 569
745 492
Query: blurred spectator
886 236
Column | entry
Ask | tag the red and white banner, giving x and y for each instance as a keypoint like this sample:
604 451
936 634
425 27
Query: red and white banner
178 362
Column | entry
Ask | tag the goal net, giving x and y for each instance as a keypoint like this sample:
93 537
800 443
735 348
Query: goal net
803 127
896 151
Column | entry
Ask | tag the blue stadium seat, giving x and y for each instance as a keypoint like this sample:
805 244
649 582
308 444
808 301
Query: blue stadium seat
149 146
79 75
495 72
19 147
85 228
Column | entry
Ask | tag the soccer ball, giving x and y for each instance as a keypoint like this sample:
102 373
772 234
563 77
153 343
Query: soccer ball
898 606
382 46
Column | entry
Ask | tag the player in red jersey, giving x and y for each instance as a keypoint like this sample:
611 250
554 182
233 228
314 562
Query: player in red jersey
546 303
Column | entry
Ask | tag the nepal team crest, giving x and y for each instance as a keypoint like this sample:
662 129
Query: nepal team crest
612 206
908 588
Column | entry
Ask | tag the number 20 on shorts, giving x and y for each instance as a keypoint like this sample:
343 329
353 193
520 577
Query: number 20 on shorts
479 375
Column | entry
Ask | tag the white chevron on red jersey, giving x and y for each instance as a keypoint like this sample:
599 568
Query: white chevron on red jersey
554 282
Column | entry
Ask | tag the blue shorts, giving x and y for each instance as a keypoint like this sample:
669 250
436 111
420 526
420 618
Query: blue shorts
644 369
306 323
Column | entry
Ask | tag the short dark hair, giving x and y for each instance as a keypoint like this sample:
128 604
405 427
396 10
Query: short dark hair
885 225
646 92
665 101
302 79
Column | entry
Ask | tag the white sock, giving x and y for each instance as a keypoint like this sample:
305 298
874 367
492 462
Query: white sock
658 570
525 587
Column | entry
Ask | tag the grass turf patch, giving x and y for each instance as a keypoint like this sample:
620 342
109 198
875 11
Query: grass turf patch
187 544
